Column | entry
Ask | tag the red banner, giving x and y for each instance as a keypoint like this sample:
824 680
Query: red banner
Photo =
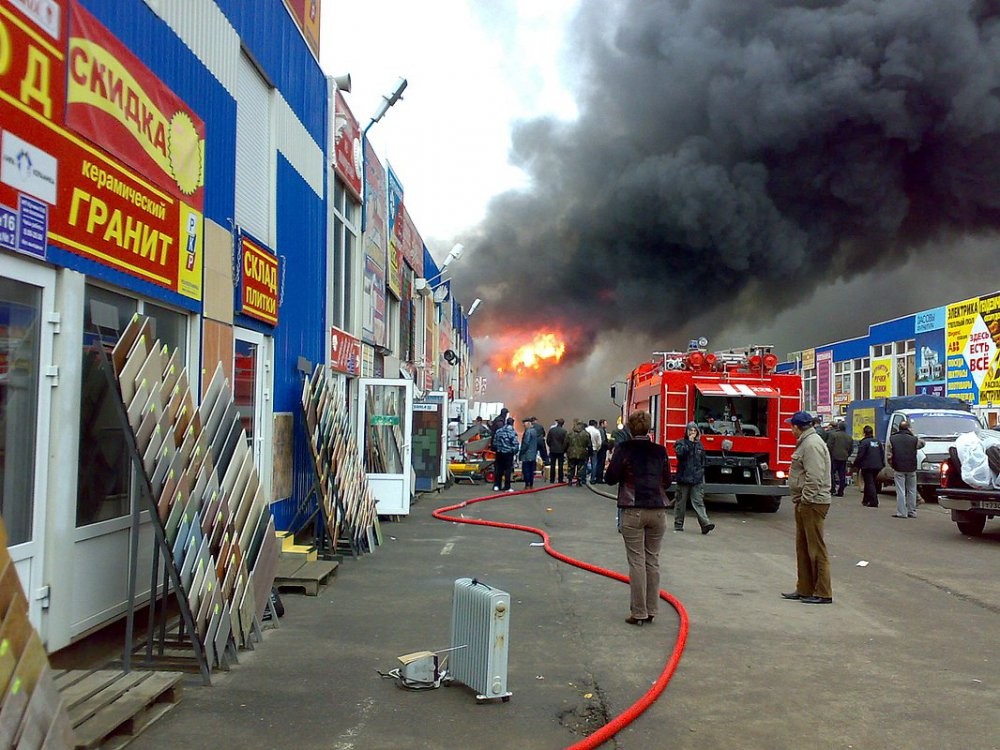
116 102
408 240
258 281
348 158
345 352
98 208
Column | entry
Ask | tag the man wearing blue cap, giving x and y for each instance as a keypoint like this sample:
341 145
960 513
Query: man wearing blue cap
809 483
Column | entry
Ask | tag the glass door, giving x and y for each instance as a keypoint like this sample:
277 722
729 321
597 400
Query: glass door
26 299
252 392
384 428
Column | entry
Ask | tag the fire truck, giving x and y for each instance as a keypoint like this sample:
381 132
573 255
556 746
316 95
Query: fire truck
739 403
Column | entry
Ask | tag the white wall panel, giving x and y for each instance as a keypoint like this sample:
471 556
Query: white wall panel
254 154
207 32
297 145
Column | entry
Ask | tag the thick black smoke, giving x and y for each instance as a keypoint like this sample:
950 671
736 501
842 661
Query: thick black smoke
744 150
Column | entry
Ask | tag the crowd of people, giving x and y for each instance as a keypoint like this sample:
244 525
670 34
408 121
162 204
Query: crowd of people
646 489
578 454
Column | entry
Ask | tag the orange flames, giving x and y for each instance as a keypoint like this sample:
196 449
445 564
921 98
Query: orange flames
543 349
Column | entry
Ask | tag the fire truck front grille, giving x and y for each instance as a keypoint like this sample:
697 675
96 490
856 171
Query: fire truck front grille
731 469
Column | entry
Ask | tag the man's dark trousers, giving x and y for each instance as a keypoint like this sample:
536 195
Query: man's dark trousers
838 477
600 459
557 458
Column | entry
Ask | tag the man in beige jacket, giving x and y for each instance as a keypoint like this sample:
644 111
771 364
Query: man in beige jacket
809 483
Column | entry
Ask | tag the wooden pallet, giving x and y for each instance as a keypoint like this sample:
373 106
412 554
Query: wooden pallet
295 573
108 709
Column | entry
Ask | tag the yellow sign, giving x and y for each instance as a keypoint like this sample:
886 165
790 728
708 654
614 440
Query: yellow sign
809 359
860 418
881 377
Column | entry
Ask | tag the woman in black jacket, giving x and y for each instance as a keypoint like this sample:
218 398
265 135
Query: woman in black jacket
640 469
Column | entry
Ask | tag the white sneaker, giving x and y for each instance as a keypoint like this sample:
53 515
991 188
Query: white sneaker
496 489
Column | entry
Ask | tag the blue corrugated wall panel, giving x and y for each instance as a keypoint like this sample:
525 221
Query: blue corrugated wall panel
851 349
300 245
899 329
274 41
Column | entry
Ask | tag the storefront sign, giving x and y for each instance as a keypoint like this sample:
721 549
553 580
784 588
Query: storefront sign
347 161
137 220
8 228
881 377
962 320
824 390
929 335
930 320
808 359
28 168
116 102
46 14
33 227
430 344
373 325
258 288
345 352
383 420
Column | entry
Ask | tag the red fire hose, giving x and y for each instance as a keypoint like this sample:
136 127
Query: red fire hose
627 716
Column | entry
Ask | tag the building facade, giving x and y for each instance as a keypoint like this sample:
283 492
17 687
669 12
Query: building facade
174 160
951 350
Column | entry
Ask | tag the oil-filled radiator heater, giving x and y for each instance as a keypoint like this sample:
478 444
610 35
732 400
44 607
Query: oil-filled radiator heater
480 633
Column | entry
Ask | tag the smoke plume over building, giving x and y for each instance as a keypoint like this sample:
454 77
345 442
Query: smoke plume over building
732 157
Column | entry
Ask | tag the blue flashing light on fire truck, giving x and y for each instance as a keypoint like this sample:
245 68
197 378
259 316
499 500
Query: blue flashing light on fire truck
739 402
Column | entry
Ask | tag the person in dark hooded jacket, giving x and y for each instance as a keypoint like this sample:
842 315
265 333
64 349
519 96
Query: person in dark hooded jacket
869 461
690 479
528 454
498 421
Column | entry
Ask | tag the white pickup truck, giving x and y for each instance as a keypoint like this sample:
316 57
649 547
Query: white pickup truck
970 509
971 506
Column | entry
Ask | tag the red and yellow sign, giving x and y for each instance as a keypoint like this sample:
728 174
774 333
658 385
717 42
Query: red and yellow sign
122 217
258 281
116 102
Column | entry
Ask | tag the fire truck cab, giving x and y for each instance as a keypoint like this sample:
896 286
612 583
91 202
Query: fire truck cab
739 403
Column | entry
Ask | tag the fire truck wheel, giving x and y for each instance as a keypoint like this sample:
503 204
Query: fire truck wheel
759 503
769 504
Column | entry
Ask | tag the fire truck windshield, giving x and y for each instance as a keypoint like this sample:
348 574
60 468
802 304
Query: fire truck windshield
732 415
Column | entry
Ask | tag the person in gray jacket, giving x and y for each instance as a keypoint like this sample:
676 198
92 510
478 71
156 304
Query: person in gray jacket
690 479
840 446
903 447
808 484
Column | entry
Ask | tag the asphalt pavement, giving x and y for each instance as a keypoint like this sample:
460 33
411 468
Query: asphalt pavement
907 656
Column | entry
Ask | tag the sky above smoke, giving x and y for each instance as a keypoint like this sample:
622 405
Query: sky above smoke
734 162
